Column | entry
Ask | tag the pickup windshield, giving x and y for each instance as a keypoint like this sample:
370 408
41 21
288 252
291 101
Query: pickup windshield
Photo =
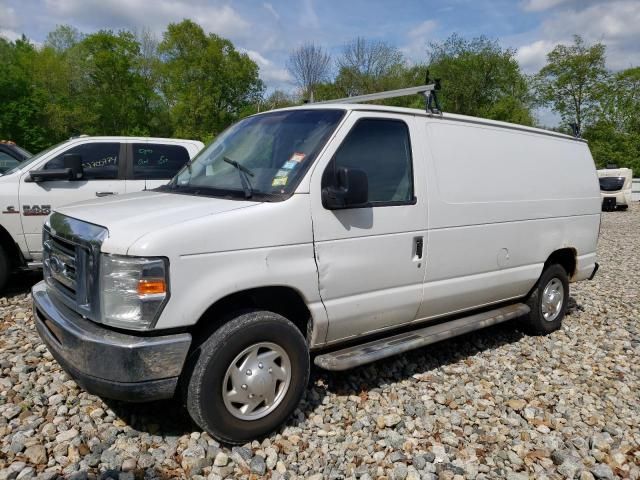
261 158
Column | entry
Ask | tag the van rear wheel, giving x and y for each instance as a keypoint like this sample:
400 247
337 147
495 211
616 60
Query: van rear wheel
548 301
248 377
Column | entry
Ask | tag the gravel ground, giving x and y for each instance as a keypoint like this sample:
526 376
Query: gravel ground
495 404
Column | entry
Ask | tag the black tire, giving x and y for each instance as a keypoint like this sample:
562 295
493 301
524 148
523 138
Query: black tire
5 268
203 382
623 207
536 323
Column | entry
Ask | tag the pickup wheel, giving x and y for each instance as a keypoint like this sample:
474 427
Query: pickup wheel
548 301
4 268
248 377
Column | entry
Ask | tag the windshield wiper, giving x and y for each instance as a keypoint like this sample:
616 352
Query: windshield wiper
244 173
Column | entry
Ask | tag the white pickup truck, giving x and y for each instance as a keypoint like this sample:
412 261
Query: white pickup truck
339 234
77 169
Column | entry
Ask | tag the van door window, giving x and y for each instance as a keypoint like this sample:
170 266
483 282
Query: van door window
382 149
99 160
157 162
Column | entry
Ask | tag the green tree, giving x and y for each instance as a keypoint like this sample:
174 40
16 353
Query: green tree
21 115
571 81
63 38
57 73
310 66
207 83
480 78
113 91
614 134
368 66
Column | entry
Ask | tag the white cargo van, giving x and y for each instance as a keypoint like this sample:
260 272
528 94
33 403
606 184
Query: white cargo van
345 233
77 169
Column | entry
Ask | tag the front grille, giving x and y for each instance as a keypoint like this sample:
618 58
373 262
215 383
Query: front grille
611 184
70 257
60 261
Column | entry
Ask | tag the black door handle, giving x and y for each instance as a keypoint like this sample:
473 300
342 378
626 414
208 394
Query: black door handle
419 241
104 194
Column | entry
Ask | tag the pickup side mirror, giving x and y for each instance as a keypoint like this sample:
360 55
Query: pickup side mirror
72 170
348 189
73 162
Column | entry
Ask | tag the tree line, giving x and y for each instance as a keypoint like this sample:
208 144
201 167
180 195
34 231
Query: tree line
192 84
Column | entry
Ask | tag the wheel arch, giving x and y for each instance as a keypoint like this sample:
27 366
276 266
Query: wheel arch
11 248
284 300
566 257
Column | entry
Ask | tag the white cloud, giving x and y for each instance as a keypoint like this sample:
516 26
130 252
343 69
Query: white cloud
9 23
8 17
539 5
417 39
220 19
533 56
271 73
271 10
309 17
612 22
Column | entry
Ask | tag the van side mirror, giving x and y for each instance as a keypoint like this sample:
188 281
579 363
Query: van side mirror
73 162
348 189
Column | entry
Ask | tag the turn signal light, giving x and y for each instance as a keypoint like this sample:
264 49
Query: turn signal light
151 287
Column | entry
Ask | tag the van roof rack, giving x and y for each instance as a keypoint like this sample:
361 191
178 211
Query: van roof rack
429 91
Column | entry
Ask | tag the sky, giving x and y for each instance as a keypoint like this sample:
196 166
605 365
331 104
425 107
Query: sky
268 30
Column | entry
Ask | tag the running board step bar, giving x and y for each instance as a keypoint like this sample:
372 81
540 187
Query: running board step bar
386 347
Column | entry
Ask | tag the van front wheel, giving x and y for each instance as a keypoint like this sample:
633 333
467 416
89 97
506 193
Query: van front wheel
548 301
248 377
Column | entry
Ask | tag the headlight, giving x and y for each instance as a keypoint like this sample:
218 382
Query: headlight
133 290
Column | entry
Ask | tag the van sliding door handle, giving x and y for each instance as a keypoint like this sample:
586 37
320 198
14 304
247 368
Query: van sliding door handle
104 194
419 246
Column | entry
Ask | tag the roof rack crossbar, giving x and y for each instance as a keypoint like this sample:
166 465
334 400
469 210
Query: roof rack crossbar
401 92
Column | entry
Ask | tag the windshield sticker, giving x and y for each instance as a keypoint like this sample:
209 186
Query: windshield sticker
290 165
282 173
297 157
279 181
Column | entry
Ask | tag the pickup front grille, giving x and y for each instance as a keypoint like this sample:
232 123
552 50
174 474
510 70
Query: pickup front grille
611 184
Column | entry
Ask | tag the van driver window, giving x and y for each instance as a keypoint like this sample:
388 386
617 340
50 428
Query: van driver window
382 149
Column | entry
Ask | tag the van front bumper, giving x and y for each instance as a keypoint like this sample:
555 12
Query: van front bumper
107 363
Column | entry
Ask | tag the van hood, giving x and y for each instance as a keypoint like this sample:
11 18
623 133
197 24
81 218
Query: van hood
133 215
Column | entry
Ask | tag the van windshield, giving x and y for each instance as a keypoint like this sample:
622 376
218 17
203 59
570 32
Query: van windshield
261 158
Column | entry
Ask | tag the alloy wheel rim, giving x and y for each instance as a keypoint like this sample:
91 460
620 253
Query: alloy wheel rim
256 381
552 299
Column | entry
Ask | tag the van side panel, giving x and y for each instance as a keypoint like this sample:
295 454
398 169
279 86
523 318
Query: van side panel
501 201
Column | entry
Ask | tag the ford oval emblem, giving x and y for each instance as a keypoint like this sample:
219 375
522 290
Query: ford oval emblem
56 264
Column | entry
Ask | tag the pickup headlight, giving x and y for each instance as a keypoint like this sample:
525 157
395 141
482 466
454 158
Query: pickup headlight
133 290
